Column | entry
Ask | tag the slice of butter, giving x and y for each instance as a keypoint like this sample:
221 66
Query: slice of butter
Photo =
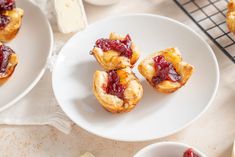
70 15
87 154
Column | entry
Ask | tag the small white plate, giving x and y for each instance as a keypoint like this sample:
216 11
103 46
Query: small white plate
166 149
33 45
157 115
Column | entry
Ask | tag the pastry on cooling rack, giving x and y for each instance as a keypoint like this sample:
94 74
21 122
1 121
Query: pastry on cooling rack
117 90
230 17
115 52
10 20
165 70
8 62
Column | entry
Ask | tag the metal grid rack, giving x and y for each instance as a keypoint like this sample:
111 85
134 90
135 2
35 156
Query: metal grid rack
210 16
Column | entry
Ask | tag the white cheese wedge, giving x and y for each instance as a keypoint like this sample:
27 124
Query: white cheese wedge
87 154
70 14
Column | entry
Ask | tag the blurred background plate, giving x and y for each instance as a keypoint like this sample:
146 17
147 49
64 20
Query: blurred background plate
33 45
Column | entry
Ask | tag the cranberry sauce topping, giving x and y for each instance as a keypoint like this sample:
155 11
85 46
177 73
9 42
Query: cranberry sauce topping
4 21
7 5
190 153
5 53
114 87
122 46
165 71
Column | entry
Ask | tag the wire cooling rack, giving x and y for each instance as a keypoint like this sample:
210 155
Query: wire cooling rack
210 16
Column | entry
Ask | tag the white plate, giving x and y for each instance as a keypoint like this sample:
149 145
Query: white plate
157 115
166 149
33 45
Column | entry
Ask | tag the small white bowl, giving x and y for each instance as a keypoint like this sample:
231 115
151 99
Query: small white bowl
166 149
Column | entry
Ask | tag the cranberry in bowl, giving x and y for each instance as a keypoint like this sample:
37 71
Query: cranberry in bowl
169 149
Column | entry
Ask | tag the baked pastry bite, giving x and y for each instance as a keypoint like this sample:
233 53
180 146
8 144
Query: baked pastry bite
117 90
165 70
230 16
116 52
8 62
10 20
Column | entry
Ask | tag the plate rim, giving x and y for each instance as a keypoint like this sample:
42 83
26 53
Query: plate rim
41 73
143 15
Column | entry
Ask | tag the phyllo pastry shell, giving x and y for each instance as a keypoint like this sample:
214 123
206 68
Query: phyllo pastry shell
230 16
165 70
116 52
10 23
8 62
117 90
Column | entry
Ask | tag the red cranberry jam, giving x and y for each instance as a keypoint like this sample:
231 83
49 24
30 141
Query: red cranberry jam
122 46
4 21
114 87
7 5
190 153
165 70
5 53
